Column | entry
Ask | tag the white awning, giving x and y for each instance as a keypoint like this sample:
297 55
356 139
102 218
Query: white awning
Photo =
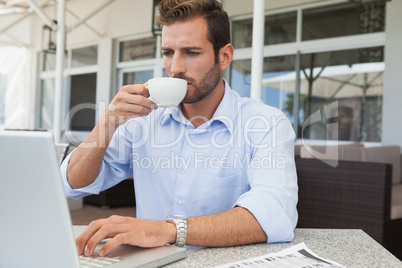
340 81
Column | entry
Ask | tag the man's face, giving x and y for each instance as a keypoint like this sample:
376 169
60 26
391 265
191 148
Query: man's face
188 54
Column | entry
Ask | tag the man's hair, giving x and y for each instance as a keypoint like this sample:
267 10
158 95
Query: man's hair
172 11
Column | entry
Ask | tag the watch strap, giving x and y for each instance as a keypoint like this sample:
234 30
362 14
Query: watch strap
181 228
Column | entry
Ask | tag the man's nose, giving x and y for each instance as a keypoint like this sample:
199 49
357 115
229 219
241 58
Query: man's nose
178 66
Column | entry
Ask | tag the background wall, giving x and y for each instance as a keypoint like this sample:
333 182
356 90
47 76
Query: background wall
125 18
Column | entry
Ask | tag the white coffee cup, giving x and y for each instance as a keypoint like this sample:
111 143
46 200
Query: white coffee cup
167 92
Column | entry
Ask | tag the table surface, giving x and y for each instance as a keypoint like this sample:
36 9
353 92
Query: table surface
351 248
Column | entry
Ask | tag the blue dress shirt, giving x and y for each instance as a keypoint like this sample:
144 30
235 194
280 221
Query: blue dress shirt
243 156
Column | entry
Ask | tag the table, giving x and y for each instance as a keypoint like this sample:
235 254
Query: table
351 248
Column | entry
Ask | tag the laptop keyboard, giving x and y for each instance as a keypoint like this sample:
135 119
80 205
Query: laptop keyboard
97 261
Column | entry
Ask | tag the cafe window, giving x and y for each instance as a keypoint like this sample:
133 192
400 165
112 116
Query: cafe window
353 79
84 56
139 60
79 87
82 93
137 77
303 78
279 93
343 20
138 49
279 29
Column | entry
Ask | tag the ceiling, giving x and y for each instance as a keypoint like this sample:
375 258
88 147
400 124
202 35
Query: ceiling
20 6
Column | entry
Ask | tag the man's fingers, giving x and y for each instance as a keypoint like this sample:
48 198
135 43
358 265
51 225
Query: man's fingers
131 104
106 231
139 100
136 90
97 231
135 108
116 241
83 238
122 230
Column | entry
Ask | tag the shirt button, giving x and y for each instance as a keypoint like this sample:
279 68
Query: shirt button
180 202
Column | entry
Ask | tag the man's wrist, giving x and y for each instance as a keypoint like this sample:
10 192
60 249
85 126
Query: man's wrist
172 232
108 123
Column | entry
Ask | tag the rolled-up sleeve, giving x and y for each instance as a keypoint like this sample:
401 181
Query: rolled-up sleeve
273 193
115 167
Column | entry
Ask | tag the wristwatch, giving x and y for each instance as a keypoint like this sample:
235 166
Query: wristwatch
181 226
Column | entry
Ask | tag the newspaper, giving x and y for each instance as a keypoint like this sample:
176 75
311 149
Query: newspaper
296 256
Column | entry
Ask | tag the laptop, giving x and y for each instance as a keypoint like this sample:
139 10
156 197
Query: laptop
35 223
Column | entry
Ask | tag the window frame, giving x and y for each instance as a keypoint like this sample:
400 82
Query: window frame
300 47
67 73
154 64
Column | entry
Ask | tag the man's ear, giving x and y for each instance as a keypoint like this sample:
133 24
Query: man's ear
226 56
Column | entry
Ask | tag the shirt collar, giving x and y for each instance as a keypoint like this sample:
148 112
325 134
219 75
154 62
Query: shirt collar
226 113
174 113
228 109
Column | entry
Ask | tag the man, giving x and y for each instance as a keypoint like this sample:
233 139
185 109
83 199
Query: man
223 162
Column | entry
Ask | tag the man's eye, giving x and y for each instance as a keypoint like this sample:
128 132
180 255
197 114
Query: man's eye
167 53
192 53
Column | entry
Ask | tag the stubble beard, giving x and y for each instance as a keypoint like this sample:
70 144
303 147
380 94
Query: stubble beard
207 84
